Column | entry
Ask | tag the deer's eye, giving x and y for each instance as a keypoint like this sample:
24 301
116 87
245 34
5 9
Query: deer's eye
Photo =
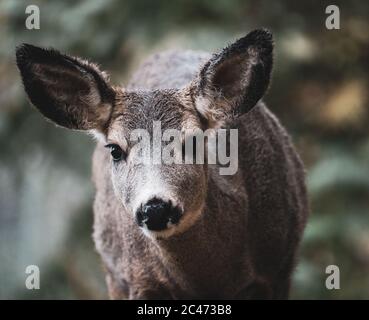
116 152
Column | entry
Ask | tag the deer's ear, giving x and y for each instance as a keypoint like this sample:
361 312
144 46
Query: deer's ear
69 91
234 80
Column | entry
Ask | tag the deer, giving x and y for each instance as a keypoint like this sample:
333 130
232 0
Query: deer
172 231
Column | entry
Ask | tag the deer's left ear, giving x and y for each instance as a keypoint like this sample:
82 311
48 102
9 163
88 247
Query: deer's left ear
69 91
234 80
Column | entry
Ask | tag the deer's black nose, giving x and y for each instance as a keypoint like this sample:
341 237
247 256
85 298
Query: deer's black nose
157 215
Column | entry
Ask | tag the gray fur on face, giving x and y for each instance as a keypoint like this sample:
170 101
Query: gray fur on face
135 183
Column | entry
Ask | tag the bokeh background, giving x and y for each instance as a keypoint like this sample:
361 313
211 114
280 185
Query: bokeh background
319 91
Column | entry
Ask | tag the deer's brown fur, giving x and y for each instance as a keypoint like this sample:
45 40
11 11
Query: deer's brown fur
239 234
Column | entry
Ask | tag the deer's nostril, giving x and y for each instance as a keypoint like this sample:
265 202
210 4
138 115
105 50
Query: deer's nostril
156 214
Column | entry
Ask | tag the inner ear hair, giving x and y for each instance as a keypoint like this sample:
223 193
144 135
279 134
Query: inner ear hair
70 91
234 80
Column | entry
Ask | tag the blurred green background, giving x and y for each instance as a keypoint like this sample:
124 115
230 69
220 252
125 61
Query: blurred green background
319 91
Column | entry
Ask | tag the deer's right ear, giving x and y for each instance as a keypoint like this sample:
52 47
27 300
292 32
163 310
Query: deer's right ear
69 91
234 80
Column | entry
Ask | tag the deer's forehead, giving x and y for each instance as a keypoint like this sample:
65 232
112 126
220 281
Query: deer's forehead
139 110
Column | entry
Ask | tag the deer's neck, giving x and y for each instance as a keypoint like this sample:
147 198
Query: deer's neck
214 244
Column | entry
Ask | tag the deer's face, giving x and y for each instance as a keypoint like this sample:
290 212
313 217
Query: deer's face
164 198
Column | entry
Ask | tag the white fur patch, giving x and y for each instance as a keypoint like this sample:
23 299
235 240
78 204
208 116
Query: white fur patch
213 113
202 105
97 135
154 187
